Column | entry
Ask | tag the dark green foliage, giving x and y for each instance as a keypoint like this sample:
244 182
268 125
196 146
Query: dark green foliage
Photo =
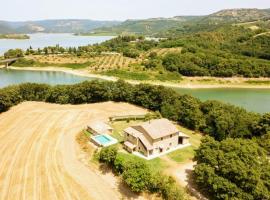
232 169
224 120
108 154
139 175
9 97
263 127
223 52
14 53
264 141
130 52
33 91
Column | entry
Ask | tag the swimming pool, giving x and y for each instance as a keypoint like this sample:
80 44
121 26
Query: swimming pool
104 140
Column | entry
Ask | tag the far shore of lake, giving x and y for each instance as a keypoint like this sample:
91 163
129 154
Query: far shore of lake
188 82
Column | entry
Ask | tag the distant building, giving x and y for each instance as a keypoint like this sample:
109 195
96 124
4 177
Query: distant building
99 127
154 138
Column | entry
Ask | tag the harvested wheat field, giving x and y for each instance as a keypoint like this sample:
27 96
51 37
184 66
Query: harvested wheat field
39 153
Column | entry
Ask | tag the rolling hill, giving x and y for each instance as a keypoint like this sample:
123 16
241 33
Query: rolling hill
146 26
53 26
186 24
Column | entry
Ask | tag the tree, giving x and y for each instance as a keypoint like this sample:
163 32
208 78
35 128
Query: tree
263 126
232 169
137 176
108 154
14 53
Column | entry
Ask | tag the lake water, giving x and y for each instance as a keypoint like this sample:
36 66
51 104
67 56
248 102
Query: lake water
40 40
257 100
11 77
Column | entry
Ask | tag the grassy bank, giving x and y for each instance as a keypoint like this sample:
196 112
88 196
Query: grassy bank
143 75
14 36
97 34
32 63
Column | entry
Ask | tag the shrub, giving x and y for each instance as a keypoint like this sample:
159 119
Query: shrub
108 154
232 169
137 175
14 53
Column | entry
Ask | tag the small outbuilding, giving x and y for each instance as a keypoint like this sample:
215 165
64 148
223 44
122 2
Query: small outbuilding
99 127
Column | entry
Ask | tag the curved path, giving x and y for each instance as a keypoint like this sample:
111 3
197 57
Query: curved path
39 154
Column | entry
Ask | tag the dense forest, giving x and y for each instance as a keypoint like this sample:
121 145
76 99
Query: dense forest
233 160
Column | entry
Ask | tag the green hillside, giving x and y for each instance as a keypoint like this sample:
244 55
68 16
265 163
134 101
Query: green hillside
54 26
218 20
167 27
147 26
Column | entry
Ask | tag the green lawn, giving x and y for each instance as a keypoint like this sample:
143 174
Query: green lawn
183 155
157 164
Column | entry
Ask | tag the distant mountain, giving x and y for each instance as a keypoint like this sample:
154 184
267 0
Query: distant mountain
186 24
146 26
54 26
217 20
4 28
239 15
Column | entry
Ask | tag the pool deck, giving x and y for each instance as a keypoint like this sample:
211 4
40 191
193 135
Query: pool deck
100 144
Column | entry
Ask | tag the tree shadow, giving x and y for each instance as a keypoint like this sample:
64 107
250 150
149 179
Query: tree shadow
104 169
121 186
192 187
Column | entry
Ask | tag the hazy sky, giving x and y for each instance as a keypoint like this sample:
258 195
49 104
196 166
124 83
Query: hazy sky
116 9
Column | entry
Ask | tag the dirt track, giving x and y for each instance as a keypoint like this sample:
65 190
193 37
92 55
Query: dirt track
38 152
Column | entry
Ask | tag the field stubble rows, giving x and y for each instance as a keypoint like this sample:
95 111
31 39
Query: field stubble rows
39 154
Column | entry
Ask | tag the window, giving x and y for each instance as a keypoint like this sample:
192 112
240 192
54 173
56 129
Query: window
161 138
170 144
171 136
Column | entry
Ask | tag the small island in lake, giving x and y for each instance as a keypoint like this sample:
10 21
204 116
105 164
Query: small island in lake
14 36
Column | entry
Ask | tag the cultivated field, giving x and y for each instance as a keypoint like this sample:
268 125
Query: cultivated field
39 154
97 63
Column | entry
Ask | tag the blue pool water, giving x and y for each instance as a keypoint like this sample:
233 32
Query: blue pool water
102 139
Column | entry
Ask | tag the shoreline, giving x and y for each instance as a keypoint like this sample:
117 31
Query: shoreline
187 85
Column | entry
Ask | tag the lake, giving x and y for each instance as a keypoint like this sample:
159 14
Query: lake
40 40
11 77
257 100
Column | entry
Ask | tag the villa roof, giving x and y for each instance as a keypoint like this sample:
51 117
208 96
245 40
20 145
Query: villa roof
132 131
99 126
183 135
157 128
146 143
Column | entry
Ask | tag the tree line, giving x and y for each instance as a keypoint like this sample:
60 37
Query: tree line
219 120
